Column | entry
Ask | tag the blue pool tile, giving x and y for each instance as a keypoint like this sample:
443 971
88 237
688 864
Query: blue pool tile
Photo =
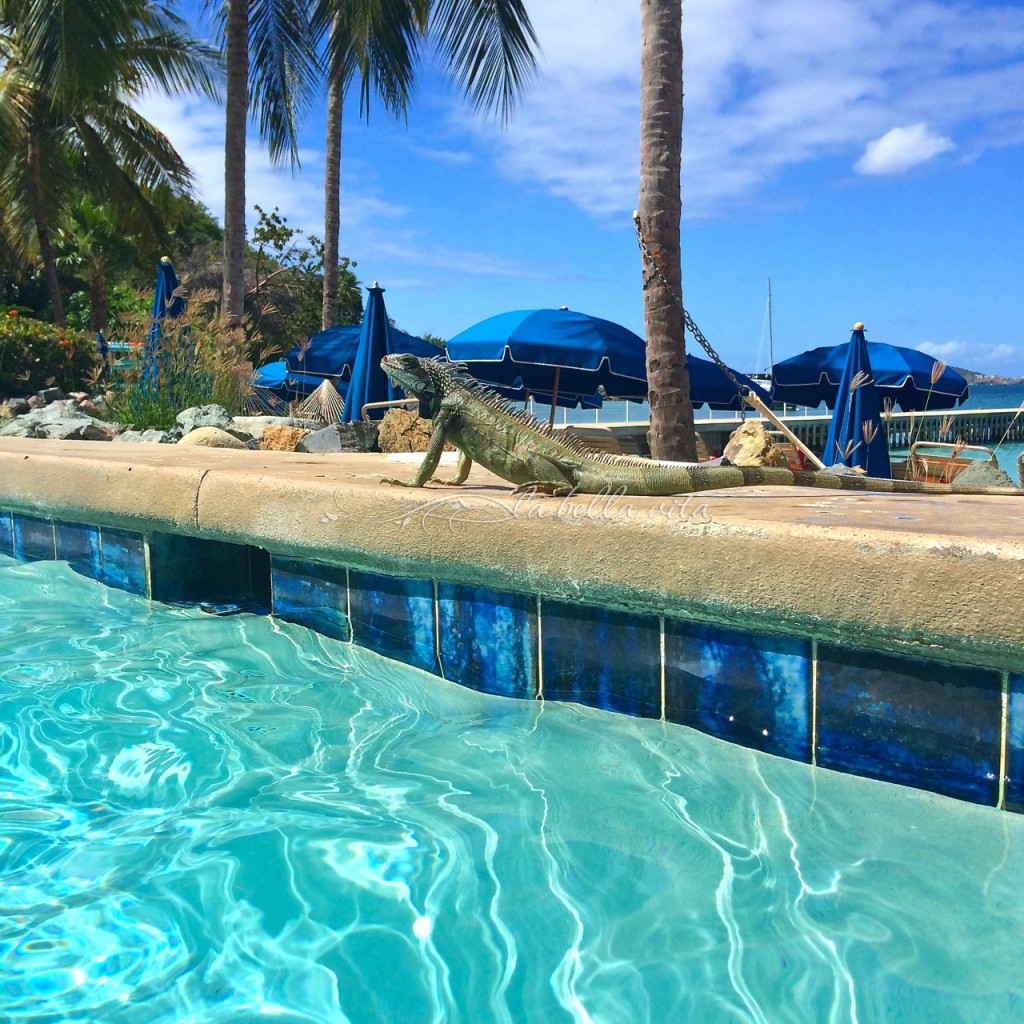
6 533
601 657
33 539
1015 745
920 723
312 594
394 617
124 560
747 688
79 546
488 640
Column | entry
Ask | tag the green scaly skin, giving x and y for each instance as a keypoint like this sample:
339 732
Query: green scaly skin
511 444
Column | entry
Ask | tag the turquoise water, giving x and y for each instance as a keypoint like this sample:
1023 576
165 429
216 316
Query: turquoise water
207 819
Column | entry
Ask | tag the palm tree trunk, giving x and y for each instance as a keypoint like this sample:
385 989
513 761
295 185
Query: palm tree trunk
661 131
237 111
34 195
332 196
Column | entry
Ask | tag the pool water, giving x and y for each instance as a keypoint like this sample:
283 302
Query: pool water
233 819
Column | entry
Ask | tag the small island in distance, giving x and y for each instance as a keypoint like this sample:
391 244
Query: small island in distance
972 377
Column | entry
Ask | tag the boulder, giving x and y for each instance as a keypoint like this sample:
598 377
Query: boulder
49 395
341 437
35 402
210 437
282 439
89 407
144 437
75 429
982 474
14 407
203 416
752 445
255 425
402 431
61 420
22 427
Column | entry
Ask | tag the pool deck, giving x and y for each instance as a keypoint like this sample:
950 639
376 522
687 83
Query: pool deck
937 575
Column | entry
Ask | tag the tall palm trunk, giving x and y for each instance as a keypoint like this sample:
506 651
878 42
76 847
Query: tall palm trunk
34 195
332 194
98 303
661 132
237 111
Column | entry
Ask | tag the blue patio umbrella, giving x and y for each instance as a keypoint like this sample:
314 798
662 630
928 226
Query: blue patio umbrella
903 375
554 350
279 380
165 303
369 382
856 436
332 353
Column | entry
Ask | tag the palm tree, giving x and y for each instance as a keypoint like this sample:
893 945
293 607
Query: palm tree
487 47
69 70
661 129
271 65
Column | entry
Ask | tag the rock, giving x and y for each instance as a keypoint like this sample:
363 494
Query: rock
255 425
88 407
49 395
402 431
78 396
14 407
282 439
982 474
22 427
143 437
35 402
203 416
341 437
210 437
74 430
752 445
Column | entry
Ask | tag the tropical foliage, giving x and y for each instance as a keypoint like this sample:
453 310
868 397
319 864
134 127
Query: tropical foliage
35 355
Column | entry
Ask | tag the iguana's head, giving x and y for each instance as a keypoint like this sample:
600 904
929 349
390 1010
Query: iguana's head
419 378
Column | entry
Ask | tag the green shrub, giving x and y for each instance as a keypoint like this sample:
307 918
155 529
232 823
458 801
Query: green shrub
35 355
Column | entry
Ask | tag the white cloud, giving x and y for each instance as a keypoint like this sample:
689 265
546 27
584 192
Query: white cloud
899 149
769 85
974 356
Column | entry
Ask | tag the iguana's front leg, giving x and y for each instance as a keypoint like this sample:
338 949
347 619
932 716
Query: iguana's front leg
461 472
434 448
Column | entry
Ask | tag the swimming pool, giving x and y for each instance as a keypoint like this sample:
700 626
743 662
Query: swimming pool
224 819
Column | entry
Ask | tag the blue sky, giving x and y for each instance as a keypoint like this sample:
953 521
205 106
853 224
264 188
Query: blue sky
866 156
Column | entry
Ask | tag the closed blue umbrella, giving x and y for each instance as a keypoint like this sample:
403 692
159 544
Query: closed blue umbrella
855 435
902 375
165 303
369 382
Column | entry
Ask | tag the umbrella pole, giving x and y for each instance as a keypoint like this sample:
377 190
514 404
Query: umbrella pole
554 396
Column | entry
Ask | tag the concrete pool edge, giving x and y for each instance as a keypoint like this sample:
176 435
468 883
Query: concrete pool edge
580 601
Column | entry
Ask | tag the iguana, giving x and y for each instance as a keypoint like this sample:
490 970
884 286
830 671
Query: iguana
513 445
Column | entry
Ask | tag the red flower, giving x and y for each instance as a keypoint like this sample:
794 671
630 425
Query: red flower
12 312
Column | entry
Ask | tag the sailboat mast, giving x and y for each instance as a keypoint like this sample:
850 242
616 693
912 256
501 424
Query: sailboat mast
771 348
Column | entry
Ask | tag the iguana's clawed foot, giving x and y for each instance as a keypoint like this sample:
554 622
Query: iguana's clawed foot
544 487
445 483
398 483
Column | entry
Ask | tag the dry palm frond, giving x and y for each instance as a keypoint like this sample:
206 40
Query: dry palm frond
324 404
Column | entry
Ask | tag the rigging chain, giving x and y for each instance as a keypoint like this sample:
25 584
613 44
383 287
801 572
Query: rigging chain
688 322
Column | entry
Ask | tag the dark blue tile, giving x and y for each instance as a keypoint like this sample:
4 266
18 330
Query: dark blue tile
193 570
1015 745
33 539
906 720
79 546
488 640
312 594
747 688
124 560
394 617
601 657
6 533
